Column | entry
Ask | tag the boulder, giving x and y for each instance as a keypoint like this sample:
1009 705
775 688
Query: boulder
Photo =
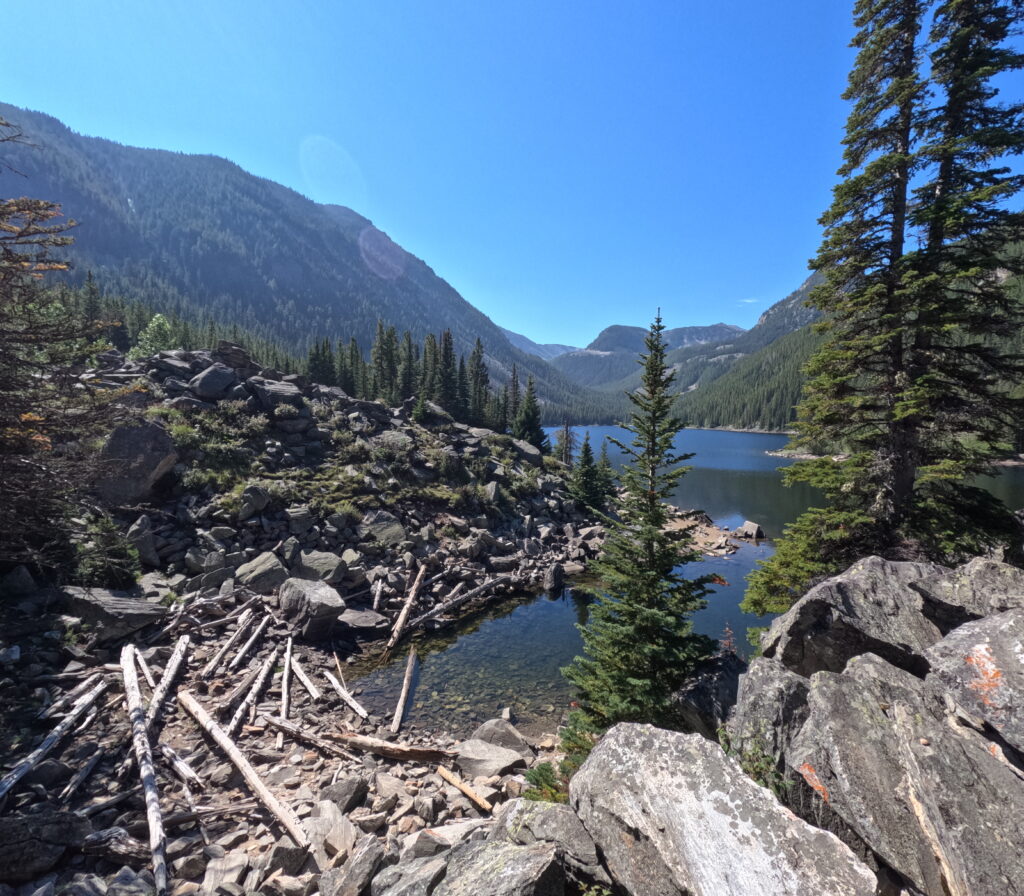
771 707
503 733
503 869
136 455
528 452
363 623
671 814
357 872
978 588
980 667
416 877
112 615
528 821
381 526
30 845
140 534
870 608
321 565
935 800
749 530
214 383
17 583
479 759
262 574
254 499
703 703
347 792
314 607
271 393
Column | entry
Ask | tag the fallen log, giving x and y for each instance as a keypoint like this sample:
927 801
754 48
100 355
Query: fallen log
396 632
299 733
288 819
227 708
147 773
462 786
69 697
80 708
346 696
117 845
391 751
243 651
307 682
236 613
454 602
286 679
266 670
181 768
243 626
81 775
146 672
410 666
174 663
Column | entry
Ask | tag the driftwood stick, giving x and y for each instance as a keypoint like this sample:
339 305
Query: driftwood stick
454 602
177 819
241 689
243 626
286 680
174 663
247 646
80 708
146 672
81 775
346 696
299 733
410 667
144 759
459 784
68 698
236 613
254 694
289 821
180 766
396 632
307 682
117 845
390 750
114 800
378 590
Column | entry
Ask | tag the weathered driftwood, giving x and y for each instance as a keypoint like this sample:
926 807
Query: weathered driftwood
78 710
228 707
288 819
461 785
69 697
147 773
244 620
454 602
174 664
286 680
346 696
146 672
116 799
179 819
243 651
236 613
181 768
307 682
254 694
299 733
117 845
396 632
378 590
390 750
81 775
410 667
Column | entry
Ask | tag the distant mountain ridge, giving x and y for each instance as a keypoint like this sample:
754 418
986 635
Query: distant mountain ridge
196 235
546 351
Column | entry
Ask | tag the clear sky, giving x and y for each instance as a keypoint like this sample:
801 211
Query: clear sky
564 165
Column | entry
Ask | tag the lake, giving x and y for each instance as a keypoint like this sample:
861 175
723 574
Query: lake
510 655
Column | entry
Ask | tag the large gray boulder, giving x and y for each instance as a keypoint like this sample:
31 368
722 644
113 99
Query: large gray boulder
111 615
480 759
140 534
254 499
504 734
528 821
771 708
672 814
935 800
978 588
381 526
980 668
135 457
263 574
321 565
870 608
214 383
312 607
503 869
416 877
271 393
703 703
30 845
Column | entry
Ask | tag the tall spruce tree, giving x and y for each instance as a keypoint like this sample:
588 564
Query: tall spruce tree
909 384
526 425
479 386
638 642
565 444
448 374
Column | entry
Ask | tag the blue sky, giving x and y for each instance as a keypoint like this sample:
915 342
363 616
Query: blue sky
564 165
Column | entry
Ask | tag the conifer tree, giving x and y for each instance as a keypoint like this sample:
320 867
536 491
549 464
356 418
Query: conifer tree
447 374
513 395
527 422
407 368
429 379
565 445
479 385
462 392
606 477
156 337
584 483
638 643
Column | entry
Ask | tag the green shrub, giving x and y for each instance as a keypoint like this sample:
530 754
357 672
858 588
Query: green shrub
104 558
548 787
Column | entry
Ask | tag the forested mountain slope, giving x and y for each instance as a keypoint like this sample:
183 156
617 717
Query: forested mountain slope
197 235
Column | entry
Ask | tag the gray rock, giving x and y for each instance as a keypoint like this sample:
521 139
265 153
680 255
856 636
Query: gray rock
254 499
347 792
230 868
527 821
672 815
479 759
703 703
30 845
322 565
417 877
330 833
502 733
214 383
312 606
131 883
300 519
554 578
355 875
503 869
381 526
870 608
749 530
111 614
140 534
136 455
980 667
936 801
976 589
262 574
85 885
17 583
271 393
363 623
527 452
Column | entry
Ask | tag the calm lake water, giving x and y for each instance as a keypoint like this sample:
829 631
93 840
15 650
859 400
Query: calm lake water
511 655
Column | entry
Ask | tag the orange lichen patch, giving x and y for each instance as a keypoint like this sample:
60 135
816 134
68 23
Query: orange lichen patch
811 777
990 678
994 750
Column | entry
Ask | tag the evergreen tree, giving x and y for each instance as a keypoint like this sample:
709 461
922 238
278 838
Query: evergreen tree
638 643
343 375
584 483
527 423
447 375
479 386
565 445
156 337
910 383
606 477
357 370
429 378
91 300
407 368
513 395
462 393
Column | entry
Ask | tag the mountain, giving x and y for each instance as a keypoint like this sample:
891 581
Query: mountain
548 351
197 236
